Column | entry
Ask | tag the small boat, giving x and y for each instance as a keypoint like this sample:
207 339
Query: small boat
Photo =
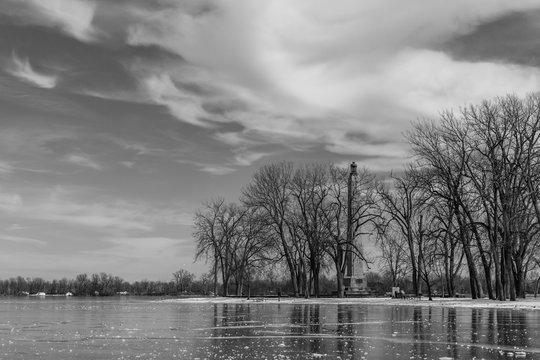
69 293
41 293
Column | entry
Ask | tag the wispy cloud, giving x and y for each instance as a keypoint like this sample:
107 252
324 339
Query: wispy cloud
217 169
297 74
21 68
10 200
5 167
246 158
309 74
84 160
73 17
136 248
128 164
15 227
56 206
22 240
181 104
429 89
243 158
68 207
138 148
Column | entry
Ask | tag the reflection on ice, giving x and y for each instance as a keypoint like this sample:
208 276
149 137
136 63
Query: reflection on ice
131 328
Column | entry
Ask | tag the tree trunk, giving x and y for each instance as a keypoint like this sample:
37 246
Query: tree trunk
316 275
414 269
292 272
485 263
498 274
339 276
225 290
511 283
215 274
472 272
473 276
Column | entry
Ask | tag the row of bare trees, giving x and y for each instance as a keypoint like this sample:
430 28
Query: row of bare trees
103 284
234 238
296 216
470 199
466 204
484 164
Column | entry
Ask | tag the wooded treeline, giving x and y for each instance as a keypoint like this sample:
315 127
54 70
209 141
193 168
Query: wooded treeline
103 284
467 203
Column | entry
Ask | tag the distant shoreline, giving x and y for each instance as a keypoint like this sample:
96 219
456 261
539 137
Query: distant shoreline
521 304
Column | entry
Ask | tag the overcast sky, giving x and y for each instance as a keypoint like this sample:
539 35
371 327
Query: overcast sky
119 117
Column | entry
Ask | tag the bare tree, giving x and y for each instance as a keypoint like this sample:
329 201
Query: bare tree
270 193
442 152
393 247
485 163
309 189
183 280
402 205
252 248
217 230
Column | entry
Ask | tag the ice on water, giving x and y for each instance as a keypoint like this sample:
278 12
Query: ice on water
136 328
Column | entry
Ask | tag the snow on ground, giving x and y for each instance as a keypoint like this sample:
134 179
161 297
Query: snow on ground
521 304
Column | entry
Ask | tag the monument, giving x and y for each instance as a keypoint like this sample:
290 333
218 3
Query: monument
353 280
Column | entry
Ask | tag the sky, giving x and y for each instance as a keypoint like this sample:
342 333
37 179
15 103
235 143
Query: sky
119 118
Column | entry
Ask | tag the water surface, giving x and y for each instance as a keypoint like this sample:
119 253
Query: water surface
141 328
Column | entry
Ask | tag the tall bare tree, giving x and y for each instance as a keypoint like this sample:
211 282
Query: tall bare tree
310 191
401 205
251 249
216 231
270 192
442 152
393 248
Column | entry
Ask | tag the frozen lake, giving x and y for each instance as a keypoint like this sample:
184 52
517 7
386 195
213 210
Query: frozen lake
142 328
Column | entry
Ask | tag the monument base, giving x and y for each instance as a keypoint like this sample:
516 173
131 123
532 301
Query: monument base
354 285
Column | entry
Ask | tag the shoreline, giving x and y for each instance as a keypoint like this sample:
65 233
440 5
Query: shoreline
520 304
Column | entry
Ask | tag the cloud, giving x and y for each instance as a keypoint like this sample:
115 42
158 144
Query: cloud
70 207
10 200
22 69
430 81
5 167
137 147
241 157
15 227
139 248
181 104
308 73
300 75
56 206
35 145
246 158
94 215
216 169
73 17
22 240
83 160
